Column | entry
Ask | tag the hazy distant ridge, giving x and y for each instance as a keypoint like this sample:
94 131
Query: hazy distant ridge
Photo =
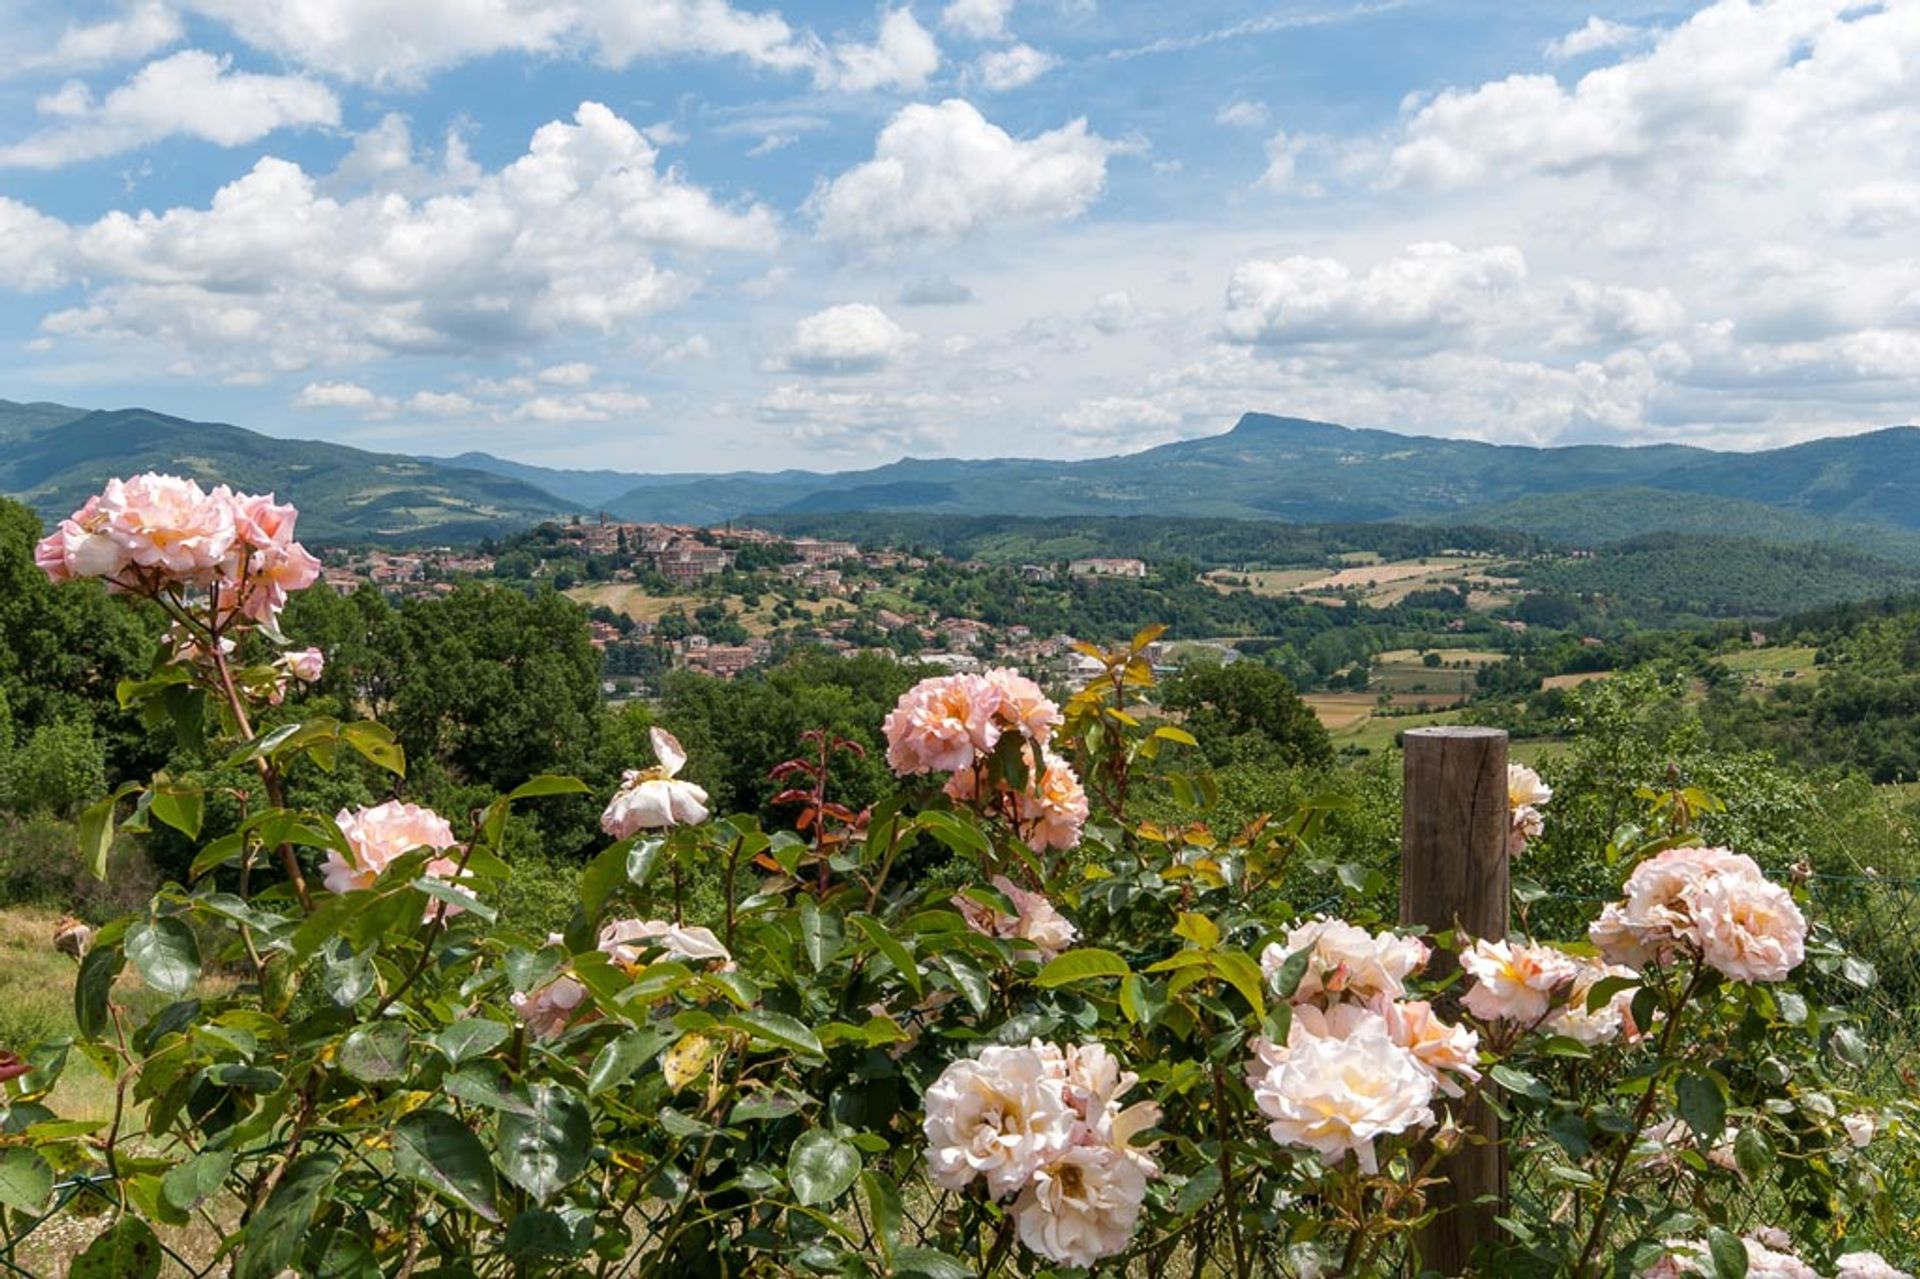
1862 490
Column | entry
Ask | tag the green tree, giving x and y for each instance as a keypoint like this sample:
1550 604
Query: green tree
1248 708
64 649
57 770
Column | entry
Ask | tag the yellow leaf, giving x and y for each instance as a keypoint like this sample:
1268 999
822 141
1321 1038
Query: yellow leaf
682 1063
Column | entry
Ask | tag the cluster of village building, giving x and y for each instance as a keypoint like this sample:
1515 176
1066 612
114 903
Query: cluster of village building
824 569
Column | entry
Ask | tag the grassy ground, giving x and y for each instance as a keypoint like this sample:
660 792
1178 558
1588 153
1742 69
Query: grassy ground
642 607
1765 667
36 1003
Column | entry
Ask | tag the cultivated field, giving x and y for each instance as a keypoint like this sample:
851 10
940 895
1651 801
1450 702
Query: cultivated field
1766 667
1574 680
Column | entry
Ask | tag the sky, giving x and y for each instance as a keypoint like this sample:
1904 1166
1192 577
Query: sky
709 235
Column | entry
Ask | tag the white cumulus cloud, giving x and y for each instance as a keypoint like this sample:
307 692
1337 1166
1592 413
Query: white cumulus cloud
1598 34
903 57
945 171
1737 91
1003 70
1422 293
853 338
977 19
190 94
145 28
582 234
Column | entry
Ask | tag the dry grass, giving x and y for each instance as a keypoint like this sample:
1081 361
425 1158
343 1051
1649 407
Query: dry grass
36 1003
1574 680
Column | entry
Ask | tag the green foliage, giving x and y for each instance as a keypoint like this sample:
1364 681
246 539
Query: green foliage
56 770
1243 710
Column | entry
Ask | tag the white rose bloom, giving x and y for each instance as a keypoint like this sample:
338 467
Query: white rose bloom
1748 929
651 798
1525 789
624 939
1860 1130
1336 1095
1867 1265
1514 982
1347 960
1000 1116
1764 1263
1083 1205
1601 1025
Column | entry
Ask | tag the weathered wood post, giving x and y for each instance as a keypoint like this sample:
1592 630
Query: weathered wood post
1453 875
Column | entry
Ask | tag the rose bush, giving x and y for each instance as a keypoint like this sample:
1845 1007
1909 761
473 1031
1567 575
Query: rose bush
994 1024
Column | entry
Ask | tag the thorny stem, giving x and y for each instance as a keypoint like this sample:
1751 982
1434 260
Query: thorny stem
269 776
429 928
733 867
1224 1137
1641 1114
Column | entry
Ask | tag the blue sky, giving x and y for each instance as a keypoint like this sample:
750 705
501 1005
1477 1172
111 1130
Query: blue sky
710 234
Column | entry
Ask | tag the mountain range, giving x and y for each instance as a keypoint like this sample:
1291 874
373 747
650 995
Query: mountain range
1862 489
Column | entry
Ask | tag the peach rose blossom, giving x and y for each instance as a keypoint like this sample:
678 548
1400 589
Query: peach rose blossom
1617 938
1526 795
80 546
1767 1263
1035 922
1337 1096
1514 983
378 836
169 524
1525 789
1600 1025
1082 1205
941 725
1526 824
306 664
625 939
1747 929
1347 960
1053 811
1866 1265
547 1011
1023 707
653 798
1654 919
1448 1052
1000 1116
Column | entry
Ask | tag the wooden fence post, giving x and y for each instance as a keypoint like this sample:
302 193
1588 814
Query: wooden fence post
1454 875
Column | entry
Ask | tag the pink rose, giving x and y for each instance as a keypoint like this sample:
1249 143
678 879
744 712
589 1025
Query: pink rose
1045 930
941 725
169 524
1514 983
306 664
1054 807
1445 1050
378 836
549 1010
1747 929
624 940
1023 708
80 547
1346 960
